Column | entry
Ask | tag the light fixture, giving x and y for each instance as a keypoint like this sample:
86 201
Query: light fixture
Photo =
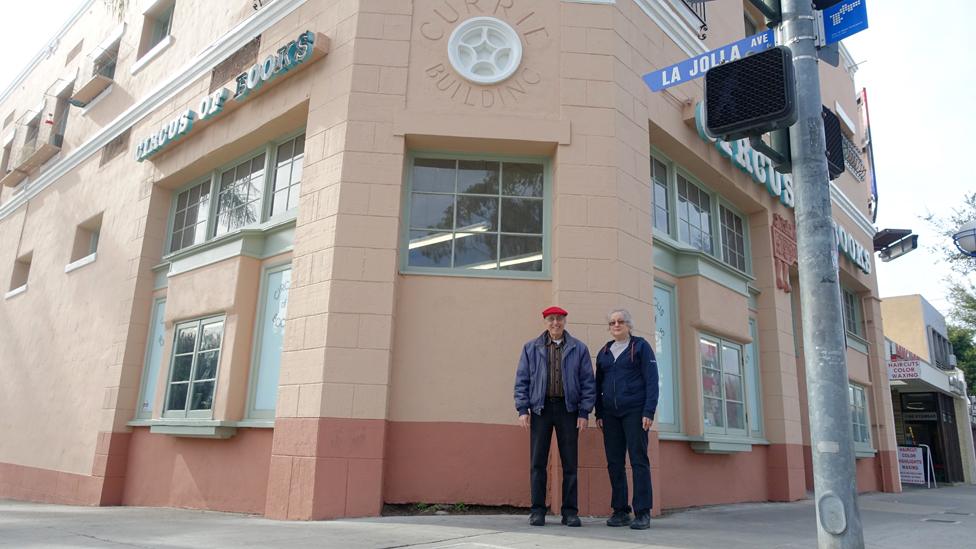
965 239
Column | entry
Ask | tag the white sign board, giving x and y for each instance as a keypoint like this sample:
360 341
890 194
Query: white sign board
911 465
904 369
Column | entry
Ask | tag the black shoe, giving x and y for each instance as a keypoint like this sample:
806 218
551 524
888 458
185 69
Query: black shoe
619 518
537 518
641 522
572 520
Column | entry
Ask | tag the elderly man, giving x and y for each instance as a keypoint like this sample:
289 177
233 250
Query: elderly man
555 383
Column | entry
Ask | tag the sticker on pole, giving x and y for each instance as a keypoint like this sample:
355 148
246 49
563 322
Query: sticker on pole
844 19
696 67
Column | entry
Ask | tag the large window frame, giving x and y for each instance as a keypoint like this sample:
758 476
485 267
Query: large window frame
709 367
853 314
718 209
193 378
406 221
212 184
258 348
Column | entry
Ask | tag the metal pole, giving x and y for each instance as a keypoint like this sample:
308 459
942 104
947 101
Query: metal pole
824 341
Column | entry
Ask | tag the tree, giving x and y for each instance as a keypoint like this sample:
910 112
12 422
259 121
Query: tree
962 290
963 346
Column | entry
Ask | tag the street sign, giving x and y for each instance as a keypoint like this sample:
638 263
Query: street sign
696 67
844 19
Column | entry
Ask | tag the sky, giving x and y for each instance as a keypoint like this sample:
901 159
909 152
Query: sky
920 82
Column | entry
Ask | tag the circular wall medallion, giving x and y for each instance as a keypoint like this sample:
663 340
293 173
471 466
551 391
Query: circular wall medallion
484 50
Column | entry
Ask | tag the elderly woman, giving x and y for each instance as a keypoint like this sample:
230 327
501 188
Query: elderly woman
626 399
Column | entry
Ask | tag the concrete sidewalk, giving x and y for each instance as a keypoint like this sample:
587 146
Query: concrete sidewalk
943 517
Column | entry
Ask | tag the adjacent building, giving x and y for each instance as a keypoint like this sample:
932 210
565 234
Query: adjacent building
928 392
280 257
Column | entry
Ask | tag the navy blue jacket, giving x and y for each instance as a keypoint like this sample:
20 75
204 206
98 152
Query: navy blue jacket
532 377
628 383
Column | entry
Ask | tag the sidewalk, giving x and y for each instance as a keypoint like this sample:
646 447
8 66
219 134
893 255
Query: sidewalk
943 517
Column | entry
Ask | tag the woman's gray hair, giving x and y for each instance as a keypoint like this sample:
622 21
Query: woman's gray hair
628 319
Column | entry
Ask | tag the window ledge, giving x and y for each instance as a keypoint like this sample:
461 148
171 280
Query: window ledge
90 258
15 292
97 99
857 343
861 453
159 48
244 423
720 447
192 428
267 239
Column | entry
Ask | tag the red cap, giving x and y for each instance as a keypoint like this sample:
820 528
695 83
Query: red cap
554 311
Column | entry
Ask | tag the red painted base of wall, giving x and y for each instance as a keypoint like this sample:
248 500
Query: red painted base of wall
220 475
326 468
870 477
102 487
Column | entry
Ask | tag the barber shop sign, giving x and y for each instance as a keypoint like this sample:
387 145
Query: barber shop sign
285 59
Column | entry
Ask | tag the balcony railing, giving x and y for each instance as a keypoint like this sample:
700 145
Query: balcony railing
852 159
698 9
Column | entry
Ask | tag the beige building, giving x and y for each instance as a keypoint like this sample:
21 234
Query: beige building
928 392
281 259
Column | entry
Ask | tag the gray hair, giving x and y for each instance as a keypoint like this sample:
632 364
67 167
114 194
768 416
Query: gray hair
628 319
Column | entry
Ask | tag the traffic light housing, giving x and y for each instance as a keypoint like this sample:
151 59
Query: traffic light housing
835 143
750 96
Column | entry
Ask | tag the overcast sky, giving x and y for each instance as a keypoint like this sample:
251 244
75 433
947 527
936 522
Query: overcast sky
921 84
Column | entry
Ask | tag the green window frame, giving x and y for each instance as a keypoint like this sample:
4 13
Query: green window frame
668 417
853 316
269 335
476 215
260 186
191 383
687 213
723 384
753 382
860 419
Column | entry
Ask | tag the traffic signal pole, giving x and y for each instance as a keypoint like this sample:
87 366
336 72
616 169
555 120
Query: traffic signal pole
824 340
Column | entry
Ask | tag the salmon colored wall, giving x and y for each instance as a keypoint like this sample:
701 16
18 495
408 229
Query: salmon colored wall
220 475
689 478
457 344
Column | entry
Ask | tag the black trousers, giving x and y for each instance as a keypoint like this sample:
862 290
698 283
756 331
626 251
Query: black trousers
554 416
622 436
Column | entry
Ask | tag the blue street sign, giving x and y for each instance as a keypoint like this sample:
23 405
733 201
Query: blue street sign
844 19
695 67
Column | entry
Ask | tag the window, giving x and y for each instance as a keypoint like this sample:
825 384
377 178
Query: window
104 62
18 278
115 147
753 375
239 196
750 25
659 175
481 217
193 370
722 386
859 417
288 175
245 190
154 354
733 239
852 313
190 221
269 341
941 349
86 239
33 127
665 332
694 216
157 25
5 158
698 216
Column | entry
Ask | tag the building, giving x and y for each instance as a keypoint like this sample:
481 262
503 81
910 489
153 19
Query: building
928 392
283 262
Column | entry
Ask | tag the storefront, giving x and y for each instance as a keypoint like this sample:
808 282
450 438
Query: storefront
303 262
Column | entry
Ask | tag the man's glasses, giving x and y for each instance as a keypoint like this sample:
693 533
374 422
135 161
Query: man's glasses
615 322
